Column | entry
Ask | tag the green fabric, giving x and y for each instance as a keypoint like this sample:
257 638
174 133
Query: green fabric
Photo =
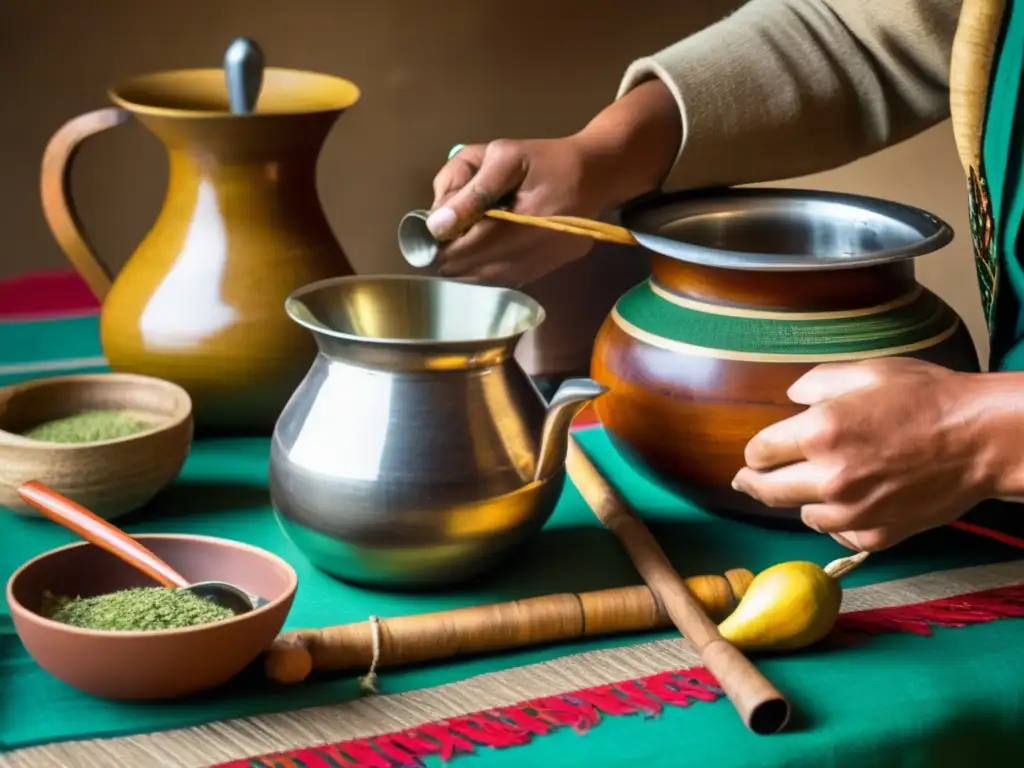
894 703
45 340
895 700
1003 166
222 492
924 318
40 343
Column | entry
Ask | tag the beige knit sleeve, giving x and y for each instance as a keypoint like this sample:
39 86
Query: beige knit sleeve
782 88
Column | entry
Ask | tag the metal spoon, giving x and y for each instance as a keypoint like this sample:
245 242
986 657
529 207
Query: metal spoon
98 531
243 68
419 246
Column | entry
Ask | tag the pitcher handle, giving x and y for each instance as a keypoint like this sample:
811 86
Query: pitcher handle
58 206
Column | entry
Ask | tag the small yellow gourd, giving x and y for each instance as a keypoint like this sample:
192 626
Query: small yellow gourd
789 606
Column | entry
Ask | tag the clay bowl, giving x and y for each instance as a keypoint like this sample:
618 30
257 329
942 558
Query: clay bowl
111 477
150 665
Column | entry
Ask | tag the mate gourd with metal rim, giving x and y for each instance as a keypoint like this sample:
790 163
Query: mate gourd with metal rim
750 289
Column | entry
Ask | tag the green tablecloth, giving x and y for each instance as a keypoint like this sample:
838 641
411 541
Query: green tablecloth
898 698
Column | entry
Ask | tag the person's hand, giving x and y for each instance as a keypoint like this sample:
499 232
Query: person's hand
888 448
547 176
624 152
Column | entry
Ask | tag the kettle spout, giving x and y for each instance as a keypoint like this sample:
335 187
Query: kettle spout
567 402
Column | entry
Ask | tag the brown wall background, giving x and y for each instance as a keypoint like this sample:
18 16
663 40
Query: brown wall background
431 74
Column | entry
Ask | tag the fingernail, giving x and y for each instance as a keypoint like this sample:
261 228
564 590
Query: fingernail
736 485
441 222
849 541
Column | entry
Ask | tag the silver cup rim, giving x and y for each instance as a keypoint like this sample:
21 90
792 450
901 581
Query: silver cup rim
536 311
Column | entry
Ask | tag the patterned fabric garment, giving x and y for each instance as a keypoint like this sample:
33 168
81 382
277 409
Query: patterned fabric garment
982 226
996 193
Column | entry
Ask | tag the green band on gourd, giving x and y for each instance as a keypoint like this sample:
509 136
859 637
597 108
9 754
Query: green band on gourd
924 318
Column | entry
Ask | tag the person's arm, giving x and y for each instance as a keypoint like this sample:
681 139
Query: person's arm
783 88
997 401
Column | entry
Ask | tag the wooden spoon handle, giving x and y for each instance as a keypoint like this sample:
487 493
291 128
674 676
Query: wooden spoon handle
98 531
762 707
572 225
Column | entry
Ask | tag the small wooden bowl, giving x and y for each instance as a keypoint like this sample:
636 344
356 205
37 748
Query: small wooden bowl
110 477
141 666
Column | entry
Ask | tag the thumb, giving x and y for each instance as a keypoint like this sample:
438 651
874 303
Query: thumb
831 380
502 169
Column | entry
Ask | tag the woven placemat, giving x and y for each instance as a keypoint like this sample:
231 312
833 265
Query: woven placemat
952 599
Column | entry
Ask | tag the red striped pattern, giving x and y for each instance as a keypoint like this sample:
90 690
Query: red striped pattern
42 295
990 533
519 725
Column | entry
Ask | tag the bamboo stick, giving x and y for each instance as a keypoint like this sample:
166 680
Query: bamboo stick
761 706
488 628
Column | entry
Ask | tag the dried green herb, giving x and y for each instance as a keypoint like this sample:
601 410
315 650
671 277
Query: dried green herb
88 427
135 610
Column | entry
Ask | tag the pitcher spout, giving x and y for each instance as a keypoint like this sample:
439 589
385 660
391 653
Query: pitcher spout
568 401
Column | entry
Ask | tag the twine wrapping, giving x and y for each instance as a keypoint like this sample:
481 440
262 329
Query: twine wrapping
368 682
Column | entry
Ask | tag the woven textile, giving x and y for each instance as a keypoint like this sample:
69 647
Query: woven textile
883 691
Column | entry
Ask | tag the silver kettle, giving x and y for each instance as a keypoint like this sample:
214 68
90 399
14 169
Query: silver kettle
417 452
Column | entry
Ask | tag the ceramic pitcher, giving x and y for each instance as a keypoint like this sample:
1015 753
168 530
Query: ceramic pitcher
200 301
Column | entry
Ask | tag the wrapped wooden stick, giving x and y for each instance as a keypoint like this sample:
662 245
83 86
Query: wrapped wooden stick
483 628
760 705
